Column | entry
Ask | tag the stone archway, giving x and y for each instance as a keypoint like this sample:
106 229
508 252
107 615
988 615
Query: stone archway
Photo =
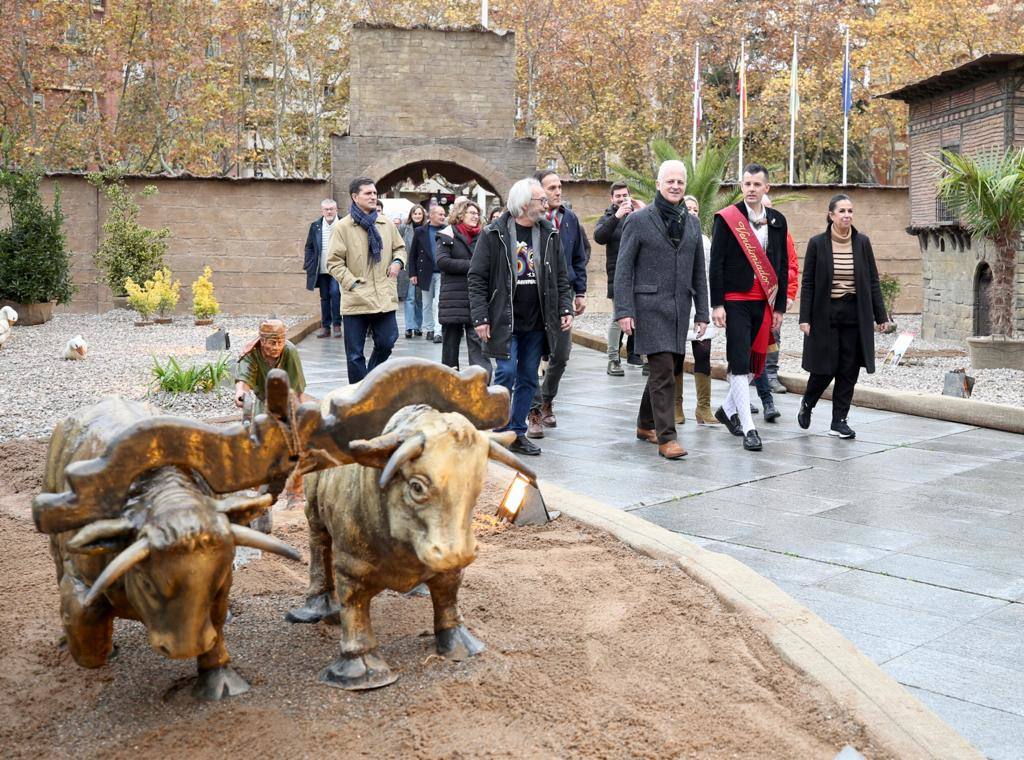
394 125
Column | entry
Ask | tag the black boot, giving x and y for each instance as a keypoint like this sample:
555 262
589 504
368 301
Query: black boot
803 417
770 412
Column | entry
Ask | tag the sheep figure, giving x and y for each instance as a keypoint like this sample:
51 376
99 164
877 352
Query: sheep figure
8 317
76 348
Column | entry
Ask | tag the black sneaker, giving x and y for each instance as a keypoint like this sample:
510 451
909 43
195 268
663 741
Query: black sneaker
842 430
752 441
634 360
523 445
408 334
417 333
732 424
430 335
803 417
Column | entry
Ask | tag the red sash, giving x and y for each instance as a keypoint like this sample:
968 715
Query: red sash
766 283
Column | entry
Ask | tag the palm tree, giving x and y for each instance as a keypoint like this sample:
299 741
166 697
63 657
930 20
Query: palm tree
987 192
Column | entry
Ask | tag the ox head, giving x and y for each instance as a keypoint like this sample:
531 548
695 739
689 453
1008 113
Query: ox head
433 466
176 567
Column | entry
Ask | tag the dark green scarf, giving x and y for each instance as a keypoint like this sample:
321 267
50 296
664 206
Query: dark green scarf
674 217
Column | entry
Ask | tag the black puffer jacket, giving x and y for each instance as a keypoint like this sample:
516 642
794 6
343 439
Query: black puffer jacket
453 257
608 232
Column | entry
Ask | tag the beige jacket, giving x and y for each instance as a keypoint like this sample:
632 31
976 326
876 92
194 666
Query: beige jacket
365 289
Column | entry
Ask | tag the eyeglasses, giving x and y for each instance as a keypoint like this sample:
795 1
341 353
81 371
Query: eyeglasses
543 199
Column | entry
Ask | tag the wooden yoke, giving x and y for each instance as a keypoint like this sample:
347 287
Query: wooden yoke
234 458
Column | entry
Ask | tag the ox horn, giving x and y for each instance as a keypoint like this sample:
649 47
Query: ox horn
238 505
97 531
500 454
409 450
249 537
118 566
506 437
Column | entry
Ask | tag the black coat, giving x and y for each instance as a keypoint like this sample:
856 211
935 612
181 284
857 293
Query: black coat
608 232
730 270
492 282
421 266
453 258
821 346
311 257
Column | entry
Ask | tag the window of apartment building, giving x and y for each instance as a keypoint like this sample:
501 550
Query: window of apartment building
38 100
72 36
80 114
98 5
213 48
73 65
329 91
943 213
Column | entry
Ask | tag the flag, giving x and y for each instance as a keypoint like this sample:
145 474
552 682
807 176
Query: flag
698 102
741 85
847 82
794 93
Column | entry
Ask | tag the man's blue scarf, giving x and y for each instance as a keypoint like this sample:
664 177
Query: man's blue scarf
369 223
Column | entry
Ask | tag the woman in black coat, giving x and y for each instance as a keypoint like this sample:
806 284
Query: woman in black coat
840 297
455 245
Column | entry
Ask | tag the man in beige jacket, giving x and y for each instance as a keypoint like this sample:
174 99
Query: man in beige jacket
365 255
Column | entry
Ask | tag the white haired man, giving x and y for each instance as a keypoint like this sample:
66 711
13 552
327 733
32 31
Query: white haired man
317 276
519 298
660 270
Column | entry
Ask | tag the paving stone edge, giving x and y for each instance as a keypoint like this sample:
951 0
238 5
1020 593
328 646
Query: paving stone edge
897 720
935 406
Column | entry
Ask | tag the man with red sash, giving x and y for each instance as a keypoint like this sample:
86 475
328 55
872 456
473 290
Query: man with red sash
748 276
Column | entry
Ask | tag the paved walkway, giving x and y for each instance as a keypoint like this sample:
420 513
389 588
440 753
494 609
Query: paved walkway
908 540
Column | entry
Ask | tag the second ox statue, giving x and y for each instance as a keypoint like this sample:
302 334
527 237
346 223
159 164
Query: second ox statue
399 517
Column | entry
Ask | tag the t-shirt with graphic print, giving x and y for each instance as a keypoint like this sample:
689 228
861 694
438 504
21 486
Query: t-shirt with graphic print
526 302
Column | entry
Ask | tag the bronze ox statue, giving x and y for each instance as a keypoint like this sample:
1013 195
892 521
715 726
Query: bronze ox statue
140 525
401 516
165 559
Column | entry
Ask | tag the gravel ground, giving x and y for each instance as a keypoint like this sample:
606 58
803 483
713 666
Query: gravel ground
923 368
38 387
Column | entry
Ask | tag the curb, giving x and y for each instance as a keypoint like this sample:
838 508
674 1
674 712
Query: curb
965 411
897 720
300 330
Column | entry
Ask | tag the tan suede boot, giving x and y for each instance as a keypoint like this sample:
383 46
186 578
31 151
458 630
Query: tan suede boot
680 415
703 412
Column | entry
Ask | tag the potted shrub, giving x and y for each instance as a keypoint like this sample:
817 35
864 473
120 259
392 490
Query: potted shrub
144 299
35 264
168 293
891 288
988 194
204 305
128 249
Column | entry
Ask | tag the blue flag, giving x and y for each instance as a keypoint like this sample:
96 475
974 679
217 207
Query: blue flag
847 84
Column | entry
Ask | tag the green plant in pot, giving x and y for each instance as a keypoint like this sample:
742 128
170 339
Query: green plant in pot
35 264
987 193
891 288
128 249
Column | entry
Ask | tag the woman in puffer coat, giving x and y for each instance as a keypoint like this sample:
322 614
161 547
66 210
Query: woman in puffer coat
455 245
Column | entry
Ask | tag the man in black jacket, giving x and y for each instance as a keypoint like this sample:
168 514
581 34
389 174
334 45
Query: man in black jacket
738 294
608 232
574 249
315 264
519 298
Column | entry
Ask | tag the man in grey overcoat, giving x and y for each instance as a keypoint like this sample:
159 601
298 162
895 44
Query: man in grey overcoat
659 270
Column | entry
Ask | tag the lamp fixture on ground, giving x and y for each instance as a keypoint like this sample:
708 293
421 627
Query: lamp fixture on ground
523 503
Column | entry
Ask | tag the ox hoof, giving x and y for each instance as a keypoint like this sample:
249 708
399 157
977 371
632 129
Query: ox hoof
357 673
219 683
458 643
317 608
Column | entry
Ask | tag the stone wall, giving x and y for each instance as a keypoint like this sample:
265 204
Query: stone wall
447 129
879 212
251 232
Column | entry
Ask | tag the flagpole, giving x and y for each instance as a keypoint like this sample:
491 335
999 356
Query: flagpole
743 101
696 103
483 13
846 97
792 111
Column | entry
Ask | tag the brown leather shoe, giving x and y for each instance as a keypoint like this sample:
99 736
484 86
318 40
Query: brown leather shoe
672 450
534 428
337 331
547 415
646 435
323 332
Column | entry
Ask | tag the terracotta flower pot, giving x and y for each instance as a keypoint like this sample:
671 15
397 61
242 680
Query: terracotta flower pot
144 323
163 320
203 322
31 313
996 352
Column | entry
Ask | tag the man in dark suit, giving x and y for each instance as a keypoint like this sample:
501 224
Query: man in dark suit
315 264
748 276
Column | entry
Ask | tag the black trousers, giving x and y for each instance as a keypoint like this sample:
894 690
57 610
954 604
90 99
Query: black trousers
742 323
451 339
701 356
850 356
657 405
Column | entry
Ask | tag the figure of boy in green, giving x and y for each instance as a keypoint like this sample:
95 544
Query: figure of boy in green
271 350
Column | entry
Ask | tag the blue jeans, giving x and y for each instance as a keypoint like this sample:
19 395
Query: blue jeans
519 374
330 301
413 309
430 299
385 332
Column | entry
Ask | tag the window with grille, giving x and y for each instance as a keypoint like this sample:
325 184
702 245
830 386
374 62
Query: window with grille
943 213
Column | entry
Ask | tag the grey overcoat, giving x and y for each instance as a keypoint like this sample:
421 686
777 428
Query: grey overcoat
656 281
